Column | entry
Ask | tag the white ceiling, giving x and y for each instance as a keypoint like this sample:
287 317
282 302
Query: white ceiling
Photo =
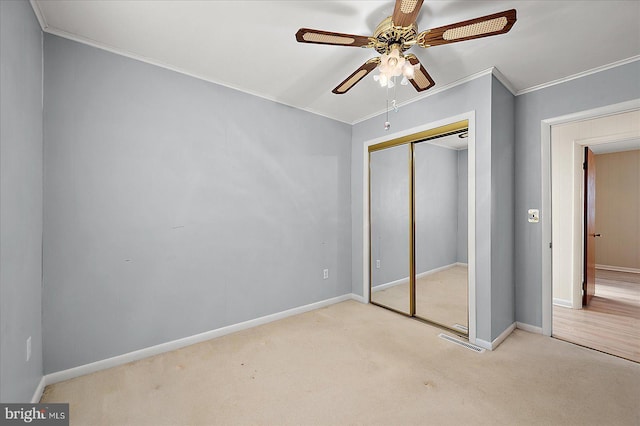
608 148
250 45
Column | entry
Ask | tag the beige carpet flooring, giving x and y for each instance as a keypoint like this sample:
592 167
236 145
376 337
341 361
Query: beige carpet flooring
356 364
441 297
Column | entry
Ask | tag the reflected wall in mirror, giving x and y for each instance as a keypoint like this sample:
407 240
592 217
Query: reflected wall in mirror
440 214
389 211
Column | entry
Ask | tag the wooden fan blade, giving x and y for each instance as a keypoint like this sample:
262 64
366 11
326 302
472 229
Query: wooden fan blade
357 75
406 12
421 79
498 23
307 35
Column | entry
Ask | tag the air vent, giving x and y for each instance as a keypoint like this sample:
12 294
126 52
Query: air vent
441 135
469 346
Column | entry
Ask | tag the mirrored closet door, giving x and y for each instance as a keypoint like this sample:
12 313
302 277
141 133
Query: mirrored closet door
389 178
418 215
440 188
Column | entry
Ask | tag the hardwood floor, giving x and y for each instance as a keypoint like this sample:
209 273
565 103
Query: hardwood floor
611 322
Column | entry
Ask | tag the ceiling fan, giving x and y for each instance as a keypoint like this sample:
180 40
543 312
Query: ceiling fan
397 34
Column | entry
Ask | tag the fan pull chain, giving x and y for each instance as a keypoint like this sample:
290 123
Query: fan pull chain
393 102
394 105
387 124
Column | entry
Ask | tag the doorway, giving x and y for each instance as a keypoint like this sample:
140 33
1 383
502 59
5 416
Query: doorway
592 305
419 226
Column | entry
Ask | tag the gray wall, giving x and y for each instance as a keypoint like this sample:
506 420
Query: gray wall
163 207
502 207
473 95
174 206
390 214
596 90
20 200
462 247
436 206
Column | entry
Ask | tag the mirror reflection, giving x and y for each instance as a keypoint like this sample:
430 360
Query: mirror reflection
440 214
389 209
437 175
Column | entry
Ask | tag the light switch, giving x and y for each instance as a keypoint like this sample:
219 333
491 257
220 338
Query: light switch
534 215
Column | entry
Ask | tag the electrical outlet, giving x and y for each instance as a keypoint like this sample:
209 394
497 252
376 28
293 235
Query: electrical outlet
28 348
378 264
325 274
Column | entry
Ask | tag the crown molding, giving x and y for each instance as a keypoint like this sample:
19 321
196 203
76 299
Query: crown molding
93 43
579 75
493 70
429 93
504 80
89 42
507 84
39 15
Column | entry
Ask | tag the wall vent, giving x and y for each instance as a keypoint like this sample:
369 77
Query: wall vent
467 345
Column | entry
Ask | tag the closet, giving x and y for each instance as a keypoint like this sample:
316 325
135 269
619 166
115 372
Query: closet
418 233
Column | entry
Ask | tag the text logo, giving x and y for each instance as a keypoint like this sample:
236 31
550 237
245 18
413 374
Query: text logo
34 414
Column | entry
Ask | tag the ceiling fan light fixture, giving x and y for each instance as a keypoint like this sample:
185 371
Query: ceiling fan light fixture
408 70
382 79
397 34
394 56
392 64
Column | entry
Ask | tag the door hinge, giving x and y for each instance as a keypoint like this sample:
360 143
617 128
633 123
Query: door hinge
549 245
584 165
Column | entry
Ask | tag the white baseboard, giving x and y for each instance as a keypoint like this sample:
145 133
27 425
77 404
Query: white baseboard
496 342
433 271
461 264
358 298
528 328
483 344
39 390
418 276
562 302
618 269
390 284
93 367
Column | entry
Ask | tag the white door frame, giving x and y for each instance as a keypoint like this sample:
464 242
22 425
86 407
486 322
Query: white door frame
546 207
471 117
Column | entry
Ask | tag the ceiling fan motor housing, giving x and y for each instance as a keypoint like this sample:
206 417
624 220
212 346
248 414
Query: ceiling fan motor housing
387 35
